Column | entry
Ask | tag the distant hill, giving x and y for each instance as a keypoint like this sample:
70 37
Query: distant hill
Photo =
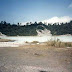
34 29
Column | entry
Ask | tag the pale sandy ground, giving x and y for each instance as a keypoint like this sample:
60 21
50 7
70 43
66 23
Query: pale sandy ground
10 43
35 58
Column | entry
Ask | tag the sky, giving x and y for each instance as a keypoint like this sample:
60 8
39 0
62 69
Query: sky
15 11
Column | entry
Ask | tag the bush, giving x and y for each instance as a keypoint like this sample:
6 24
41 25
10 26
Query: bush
58 43
35 42
26 42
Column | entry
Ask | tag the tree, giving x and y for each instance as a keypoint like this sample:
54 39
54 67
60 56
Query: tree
18 23
35 23
40 23
27 23
2 22
30 22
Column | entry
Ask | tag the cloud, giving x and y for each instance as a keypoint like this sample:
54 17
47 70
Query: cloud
70 6
53 20
23 23
58 20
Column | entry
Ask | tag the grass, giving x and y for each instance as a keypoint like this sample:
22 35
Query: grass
26 42
54 43
5 40
58 43
34 42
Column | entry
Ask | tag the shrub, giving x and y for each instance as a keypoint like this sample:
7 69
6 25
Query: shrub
58 43
35 42
26 42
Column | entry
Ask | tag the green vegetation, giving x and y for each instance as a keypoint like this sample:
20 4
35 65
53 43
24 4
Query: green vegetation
30 30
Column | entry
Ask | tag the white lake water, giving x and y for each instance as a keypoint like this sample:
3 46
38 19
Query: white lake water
20 40
63 38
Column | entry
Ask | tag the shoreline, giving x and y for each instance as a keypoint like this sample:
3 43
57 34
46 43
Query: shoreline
19 41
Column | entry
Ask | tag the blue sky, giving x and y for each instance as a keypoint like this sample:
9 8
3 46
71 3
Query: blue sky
33 10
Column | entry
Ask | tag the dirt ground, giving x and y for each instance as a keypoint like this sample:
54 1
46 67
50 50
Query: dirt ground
35 58
6 40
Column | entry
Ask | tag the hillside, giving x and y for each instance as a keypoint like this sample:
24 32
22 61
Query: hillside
35 28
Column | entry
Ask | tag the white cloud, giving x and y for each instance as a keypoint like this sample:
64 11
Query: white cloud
53 20
23 23
70 6
58 20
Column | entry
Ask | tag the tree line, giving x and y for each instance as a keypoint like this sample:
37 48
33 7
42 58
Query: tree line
30 28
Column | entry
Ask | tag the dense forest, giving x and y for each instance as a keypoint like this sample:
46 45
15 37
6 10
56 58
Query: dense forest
30 28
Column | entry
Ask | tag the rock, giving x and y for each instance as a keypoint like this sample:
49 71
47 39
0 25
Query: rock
2 34
44 32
